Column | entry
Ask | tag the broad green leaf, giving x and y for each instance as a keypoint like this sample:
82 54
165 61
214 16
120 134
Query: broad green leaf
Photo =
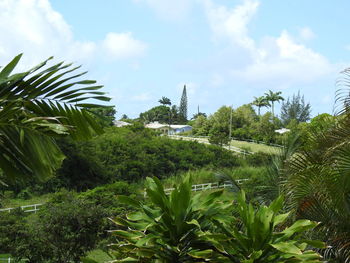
128 201
287 247
6 71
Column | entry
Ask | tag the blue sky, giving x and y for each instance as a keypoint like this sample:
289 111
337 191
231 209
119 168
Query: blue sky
225 51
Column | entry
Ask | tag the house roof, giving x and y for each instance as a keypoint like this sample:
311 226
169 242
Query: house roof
157 125
283 130
121 123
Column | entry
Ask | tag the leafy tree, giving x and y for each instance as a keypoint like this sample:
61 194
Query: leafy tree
11 229
264 129
175 117
219 135
220 126
200 126
261 102
244 116
273 97
124 117
165 101
183 105
81 170
65 229
161 114
69 228
295 109
36 106
195 116
105 115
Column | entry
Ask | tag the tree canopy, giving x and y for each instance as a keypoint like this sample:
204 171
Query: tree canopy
295 108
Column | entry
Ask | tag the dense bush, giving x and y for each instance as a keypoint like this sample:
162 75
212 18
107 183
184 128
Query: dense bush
130 155
105 196
62 231
259 159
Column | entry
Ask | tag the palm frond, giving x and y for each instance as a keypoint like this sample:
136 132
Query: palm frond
36 106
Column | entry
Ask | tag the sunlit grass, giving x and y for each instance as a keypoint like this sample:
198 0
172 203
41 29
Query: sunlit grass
255 147
16 202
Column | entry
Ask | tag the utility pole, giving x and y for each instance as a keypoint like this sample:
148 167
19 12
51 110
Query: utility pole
230 130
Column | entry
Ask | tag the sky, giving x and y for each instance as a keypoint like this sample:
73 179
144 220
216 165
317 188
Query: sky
225 51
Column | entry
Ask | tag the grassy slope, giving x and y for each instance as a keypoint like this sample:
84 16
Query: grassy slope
255 147
249 146
10 202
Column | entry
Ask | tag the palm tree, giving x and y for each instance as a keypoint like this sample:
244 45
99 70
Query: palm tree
260 102
165 101
273 97
318 184
36 106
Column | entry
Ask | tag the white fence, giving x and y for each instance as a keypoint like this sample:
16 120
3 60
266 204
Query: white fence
25 208
7 260
204 139
233 138
257 142
209 186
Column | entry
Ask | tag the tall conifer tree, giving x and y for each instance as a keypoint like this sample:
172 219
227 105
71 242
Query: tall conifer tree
183 105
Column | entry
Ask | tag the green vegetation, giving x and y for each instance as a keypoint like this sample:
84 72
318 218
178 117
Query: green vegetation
255 147
295 109
273 97
183 106
98 256
293 196
36 106
182 228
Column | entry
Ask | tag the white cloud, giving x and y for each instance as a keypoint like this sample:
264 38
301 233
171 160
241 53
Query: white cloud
289 62
306 33
123 45
142 97
34 28
169 9
280 60
232 23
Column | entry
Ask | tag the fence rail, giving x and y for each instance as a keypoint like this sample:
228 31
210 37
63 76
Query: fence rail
24 208
236 139
209 186
8 260
204 139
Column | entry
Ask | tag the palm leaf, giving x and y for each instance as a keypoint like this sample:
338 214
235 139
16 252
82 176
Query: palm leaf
36 106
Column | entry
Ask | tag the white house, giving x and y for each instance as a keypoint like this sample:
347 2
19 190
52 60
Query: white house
121 123
283 130
168 129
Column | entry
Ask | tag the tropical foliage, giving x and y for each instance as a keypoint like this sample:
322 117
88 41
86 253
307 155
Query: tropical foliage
180 227
260 102
318 186
36 106
273 97
172 225
261 235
